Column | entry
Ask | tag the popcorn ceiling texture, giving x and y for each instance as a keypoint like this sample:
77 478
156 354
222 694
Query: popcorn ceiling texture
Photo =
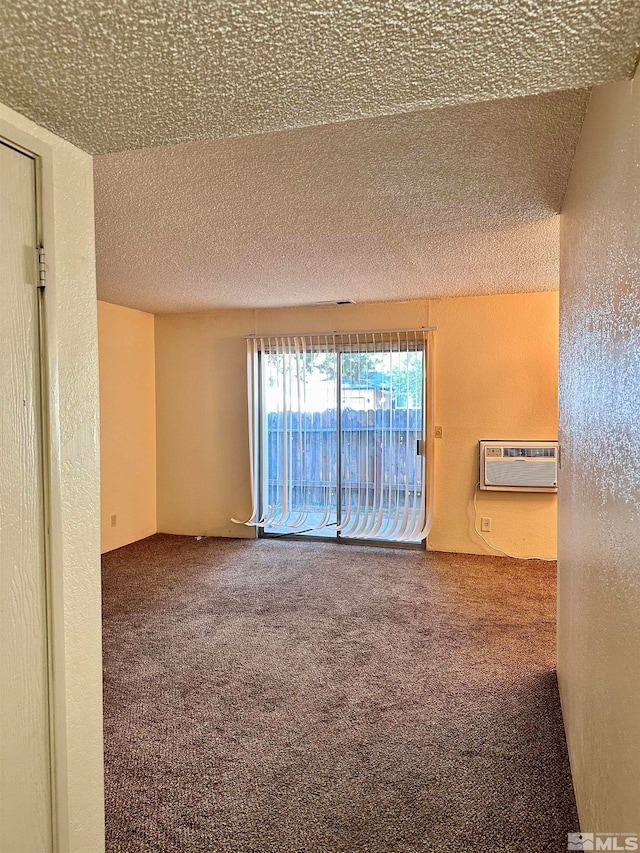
461 200
116 76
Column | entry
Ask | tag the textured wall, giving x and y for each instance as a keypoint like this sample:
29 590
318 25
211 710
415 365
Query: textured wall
127 425
202 438
75 533
497 377
497 371
599 512
440 203
115 76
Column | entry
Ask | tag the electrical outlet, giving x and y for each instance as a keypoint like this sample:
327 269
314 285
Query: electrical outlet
485 525
114 520
438 432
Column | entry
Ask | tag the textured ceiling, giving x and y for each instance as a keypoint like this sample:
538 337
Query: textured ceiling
441 202
112 76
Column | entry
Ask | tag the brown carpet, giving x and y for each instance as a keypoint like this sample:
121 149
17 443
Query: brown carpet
288 696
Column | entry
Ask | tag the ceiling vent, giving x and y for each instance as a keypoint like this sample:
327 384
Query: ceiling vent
336 302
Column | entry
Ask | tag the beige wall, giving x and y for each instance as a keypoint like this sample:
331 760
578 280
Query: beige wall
599 547
203 469
74 487
497 378
127 425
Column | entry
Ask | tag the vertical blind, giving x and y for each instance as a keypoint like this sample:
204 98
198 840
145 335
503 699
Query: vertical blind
333 441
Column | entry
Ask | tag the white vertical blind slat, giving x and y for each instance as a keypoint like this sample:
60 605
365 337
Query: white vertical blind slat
326 455
377 518
416 501
397 520
252 411
363 439
297 523
346 480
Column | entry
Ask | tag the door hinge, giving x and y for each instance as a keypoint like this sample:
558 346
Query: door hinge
42 270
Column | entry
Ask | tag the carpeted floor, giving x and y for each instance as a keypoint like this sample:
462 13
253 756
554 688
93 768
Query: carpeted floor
288 696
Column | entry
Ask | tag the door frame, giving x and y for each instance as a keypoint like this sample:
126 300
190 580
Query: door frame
73 622
338 539
44 440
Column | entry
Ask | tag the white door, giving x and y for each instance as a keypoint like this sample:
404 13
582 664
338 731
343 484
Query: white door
25 796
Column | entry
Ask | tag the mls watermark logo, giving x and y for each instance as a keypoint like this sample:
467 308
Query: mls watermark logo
580 841
602 841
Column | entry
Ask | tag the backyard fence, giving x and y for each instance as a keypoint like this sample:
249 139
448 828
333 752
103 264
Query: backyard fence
378 456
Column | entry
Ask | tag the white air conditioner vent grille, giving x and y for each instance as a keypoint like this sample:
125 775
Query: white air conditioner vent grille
529 452
522 466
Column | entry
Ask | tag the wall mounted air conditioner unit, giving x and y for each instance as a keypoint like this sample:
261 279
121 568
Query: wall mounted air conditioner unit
519 466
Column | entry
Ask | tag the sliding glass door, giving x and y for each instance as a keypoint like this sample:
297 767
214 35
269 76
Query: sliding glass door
299 449
380 442
341 441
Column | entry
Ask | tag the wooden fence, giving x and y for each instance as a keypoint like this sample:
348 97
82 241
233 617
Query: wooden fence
377 449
